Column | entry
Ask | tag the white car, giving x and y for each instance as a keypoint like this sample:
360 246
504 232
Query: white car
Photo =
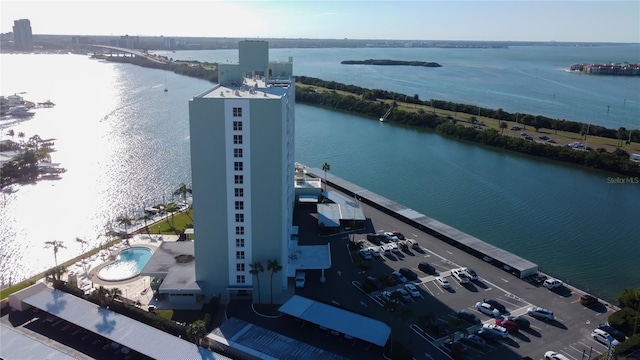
552 355
487 309
603 337
539 312
470 273
443 282
412 290
552 283
375 251
460 275
497 329
394 247
366 254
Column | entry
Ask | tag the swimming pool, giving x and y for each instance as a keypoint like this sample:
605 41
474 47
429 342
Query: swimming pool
129 264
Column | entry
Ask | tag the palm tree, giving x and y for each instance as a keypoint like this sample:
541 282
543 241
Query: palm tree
56 245
102 294
126 221
113 293
503 125
21 137
171 208
83 243
183 190
275 267
11 133
256 269
325 167
146 217
197 330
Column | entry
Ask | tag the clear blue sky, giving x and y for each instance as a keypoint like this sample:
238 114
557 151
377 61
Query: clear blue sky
515 20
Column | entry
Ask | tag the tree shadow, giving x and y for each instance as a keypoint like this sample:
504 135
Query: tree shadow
106 326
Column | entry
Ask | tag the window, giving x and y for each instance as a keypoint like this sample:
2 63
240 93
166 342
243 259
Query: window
237 139
240 230
240 255
238 166
237 112
237 153
239 205
240 279
239 218
239 192
239 179
239 242
240 267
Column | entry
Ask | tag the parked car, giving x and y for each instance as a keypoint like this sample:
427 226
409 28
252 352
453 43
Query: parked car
515 128
365 254
586 299
474 340
543 137
426 267
469 317
527 137
552 355
487 309
455 347
501 331
552 283
402 244
394 247
398 277
460 275
617 334
398 234
371 284
386 296
524 134
489 336
540 313
521 321
408 273
373 238
470 273
496 305
375 251
412 290
604 337
539 279
413 244
405 295
510 325
443 282
551 141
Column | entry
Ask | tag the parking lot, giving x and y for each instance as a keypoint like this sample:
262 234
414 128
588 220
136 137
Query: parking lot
569 333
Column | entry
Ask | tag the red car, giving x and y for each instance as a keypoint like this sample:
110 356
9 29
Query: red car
399 235
510 325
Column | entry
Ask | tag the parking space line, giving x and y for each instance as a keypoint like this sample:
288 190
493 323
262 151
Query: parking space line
590 347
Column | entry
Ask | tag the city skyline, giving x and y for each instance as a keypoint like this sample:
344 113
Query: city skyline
509 20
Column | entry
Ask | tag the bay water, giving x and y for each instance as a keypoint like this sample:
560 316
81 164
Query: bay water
125 145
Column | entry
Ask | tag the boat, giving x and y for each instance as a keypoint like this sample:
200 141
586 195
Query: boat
20 111
384 117
165 85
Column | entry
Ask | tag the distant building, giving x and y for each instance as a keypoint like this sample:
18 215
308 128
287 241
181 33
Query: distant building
22 35
242 164
126 42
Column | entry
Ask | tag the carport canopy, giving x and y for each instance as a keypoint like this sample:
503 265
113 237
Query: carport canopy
343 321
116 327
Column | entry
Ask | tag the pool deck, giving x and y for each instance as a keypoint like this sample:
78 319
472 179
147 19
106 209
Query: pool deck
132 289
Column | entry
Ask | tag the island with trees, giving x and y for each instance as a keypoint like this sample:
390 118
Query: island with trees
390 62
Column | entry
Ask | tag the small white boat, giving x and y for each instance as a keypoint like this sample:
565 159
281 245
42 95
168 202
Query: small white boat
20 111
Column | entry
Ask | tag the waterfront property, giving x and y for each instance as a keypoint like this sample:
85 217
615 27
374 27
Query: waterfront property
242 165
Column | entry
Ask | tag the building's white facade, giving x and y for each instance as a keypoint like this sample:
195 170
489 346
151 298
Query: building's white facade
242 168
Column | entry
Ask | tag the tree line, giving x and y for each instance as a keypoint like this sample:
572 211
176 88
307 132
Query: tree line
535 121
617 161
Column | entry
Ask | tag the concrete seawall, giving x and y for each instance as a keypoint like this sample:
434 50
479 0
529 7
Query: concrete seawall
516 265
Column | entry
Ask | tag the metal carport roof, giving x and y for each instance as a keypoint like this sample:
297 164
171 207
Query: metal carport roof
133 334
331 317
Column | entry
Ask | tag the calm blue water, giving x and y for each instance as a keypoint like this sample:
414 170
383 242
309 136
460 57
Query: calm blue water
129 264
125 144
525 79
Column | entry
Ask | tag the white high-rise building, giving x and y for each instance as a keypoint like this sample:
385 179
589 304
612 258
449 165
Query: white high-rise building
242 168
